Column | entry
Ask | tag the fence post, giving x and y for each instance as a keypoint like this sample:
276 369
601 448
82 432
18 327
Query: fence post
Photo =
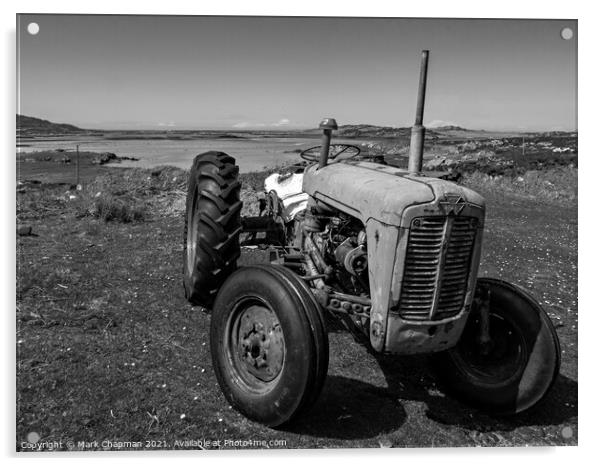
77 167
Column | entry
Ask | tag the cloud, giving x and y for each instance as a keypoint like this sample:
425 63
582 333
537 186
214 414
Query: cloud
247 124
440 123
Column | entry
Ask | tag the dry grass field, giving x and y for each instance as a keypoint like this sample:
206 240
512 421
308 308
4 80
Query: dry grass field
109 350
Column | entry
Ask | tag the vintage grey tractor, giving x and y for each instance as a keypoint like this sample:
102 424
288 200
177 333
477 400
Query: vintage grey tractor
391 252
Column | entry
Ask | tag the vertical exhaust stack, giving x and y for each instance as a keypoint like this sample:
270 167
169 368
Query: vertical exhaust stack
417 139
327 125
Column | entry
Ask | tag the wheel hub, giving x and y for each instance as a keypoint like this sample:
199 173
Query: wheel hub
498 360
260 343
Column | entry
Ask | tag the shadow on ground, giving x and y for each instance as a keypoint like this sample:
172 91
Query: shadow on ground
352 409
410 379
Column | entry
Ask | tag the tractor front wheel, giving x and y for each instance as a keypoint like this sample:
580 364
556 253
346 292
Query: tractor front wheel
268 344
518 366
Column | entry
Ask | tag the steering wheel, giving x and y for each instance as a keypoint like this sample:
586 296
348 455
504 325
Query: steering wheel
335 150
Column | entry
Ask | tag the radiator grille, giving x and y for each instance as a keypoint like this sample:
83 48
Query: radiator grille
437 265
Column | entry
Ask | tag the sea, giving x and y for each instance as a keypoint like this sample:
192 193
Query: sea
251 154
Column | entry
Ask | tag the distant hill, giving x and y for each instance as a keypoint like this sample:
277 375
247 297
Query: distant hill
449 128
366 131
27 125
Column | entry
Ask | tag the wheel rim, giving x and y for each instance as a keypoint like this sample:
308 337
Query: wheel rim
191 235
504 361
256 345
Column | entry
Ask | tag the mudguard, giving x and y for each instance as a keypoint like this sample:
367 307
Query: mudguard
289 189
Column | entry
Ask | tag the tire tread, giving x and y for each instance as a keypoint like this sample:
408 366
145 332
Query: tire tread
214 179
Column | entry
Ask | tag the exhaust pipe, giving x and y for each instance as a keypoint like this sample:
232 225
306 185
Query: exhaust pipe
417 138
327 125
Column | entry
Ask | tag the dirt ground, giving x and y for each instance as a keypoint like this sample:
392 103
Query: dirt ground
108 349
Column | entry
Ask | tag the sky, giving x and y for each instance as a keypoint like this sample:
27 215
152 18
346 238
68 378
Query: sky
183 72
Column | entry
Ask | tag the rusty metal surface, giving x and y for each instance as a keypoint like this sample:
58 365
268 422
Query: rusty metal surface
258 343
437 266
416 149
411 337
423 241
382 240
417 138
327 125
348 304
405 337
364 191
387 200
424 65
368 190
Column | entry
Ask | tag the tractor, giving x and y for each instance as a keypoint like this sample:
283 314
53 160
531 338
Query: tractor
392 253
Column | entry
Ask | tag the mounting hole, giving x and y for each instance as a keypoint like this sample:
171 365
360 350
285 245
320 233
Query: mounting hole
33 28
566 33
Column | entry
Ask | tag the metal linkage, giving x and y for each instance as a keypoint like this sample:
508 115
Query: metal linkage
316 256
348 304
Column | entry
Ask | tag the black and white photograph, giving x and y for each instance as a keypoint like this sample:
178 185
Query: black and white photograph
295 232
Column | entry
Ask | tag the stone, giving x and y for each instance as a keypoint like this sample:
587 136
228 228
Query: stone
24 230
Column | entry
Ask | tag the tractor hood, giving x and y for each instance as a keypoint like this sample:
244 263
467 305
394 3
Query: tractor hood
368 190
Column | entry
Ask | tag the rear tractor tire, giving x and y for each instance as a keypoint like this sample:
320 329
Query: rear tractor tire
212 226
520 365
269 344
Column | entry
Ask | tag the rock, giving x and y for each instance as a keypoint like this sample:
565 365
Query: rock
468 147
106 157
385 443
453 175
435 164
485 154
110 157
92 323
24 230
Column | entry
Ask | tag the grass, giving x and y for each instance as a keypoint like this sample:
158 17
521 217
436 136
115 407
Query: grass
109 349
121 195
552 185
115 209
542 175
